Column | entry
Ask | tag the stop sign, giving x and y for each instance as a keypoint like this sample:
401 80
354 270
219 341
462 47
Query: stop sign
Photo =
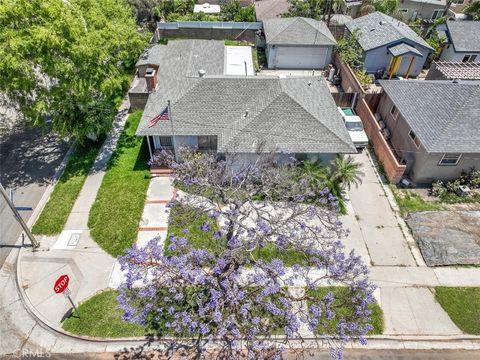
61 284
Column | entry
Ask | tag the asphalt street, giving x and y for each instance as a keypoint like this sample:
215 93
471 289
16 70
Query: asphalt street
28 160
321 355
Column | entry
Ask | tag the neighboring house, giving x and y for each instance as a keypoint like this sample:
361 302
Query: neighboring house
432 126
463 42
298 43
389 45
454 71
220 113
207 8
424 9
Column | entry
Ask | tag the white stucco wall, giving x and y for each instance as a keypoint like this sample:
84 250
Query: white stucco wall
449 54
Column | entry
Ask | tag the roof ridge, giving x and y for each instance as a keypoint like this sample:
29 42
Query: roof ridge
265 106
316 119
453 122
285 28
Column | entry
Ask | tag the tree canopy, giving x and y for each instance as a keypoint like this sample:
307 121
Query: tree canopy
473 9
67 60
271 246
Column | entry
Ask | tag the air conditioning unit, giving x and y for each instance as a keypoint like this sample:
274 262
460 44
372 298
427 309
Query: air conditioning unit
386 133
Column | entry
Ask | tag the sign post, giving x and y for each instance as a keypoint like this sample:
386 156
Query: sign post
61 286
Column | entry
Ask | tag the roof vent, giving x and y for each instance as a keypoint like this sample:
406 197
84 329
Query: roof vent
382 22
309 83
201 73
246 113
455 81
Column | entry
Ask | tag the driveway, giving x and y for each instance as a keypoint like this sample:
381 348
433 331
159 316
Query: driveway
375 232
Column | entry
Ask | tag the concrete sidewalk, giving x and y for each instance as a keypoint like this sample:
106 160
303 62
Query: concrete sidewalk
72 252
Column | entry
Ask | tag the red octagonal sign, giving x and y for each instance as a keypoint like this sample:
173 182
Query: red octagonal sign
61 284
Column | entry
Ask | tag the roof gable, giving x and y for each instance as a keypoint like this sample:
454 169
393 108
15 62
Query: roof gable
377 29
297 31
465 35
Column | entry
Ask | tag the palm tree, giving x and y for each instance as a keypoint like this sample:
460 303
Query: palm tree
346 172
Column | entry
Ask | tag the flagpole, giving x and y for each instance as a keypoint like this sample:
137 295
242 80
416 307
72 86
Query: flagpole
173 132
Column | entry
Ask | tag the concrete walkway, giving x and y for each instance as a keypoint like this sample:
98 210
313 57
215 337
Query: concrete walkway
73 252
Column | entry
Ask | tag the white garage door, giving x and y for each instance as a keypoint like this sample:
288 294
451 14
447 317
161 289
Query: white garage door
292 57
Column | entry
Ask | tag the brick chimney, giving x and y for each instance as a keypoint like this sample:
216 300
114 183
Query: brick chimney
151 78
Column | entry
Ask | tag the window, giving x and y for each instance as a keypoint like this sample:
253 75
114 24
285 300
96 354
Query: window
414 138
469 58
207 143
437 14
166 141
450 159
394 112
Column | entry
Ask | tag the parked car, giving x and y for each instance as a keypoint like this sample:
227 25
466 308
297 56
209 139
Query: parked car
354 126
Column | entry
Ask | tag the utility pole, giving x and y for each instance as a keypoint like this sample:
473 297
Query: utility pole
24 226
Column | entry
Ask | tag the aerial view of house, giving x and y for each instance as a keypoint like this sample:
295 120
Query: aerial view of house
214 110
433 126
298 43
463 41
240 179
389 45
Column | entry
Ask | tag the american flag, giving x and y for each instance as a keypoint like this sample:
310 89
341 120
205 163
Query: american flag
162 116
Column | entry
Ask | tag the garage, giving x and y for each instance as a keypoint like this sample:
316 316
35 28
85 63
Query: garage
300 57
297 43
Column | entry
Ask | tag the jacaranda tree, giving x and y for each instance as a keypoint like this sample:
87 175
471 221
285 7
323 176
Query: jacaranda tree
240 301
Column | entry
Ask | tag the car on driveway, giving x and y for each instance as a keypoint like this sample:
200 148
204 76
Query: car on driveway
354 126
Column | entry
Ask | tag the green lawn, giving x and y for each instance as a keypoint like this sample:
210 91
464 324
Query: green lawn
100 317
186 217
462 305
115 215
409 202
345 312
58 208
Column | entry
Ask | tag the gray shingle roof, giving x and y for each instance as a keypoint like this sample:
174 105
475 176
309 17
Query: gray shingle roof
151 55
402 49
443 115
287 114
377 29
297 31
465 35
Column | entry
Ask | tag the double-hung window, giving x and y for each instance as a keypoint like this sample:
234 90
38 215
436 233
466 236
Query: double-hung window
207 143
414 138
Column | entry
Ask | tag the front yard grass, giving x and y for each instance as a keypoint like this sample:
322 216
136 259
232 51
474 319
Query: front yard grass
341 295
55 214
409 202
101 317
116 213
462 305
187 217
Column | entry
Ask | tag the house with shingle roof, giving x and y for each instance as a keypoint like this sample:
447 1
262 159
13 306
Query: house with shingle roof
197 104
389 45
433 127
463 42
298 43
